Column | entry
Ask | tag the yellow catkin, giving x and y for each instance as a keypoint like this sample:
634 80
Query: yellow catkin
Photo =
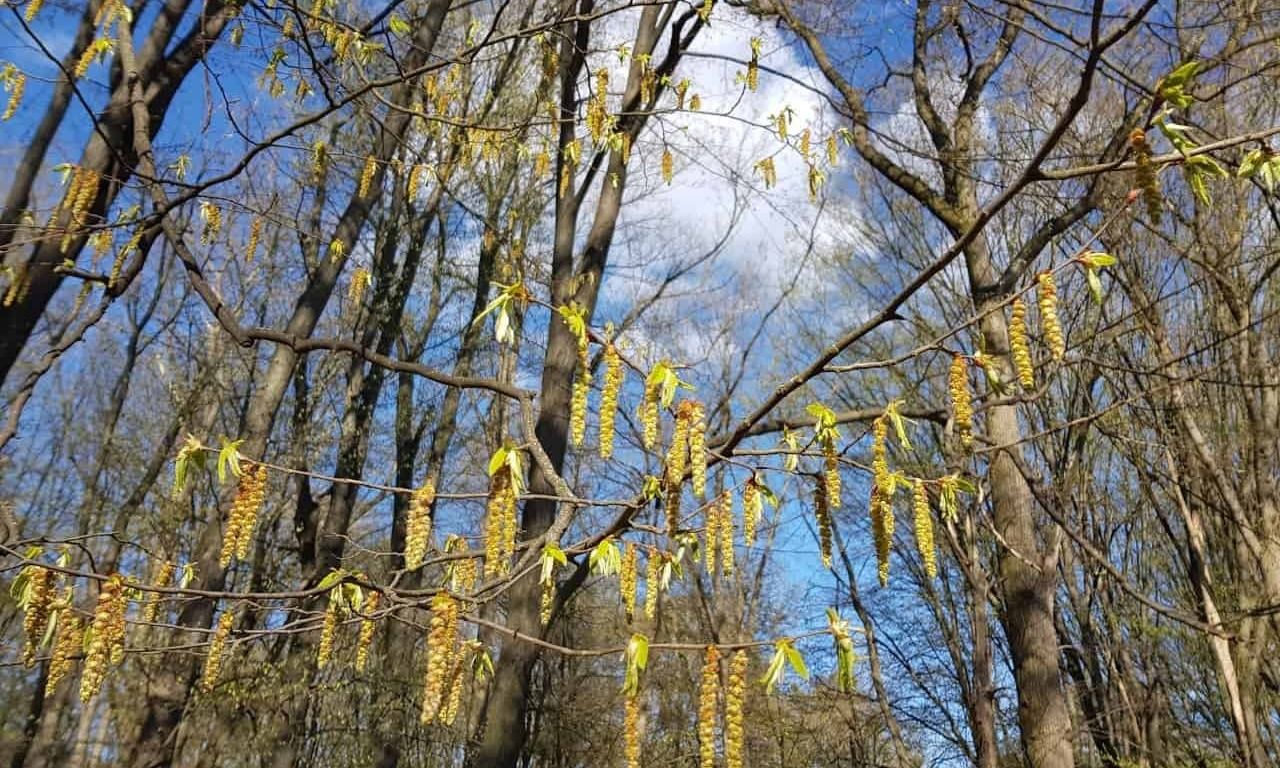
961 399
1047 298
581 389
17 286
880 452
668 166
107 617
33 8
631 729
255 234
328 632
86 59
442 636
609 399
753 73
499 540
708 701
652 584
368 627
212 216
671 506
161 576
418 526
726 529
695 102
548 601
882 526
627 575
213 661
711 538
355 290
831 472
752 510
833 150
366 176
39 607
415 180
649 412
678 452
597 116
1020 347
67 642
822 515
735 699
698 449
16 89
243 517
924 529
542 164
1145 175
253 506
453 702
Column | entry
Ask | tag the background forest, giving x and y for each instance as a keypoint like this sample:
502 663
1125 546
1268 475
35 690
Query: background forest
640 382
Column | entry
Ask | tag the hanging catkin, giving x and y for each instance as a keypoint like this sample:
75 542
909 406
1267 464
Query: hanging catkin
961 399
609 399
1021 347
735 697
1047 298
418 526
924 529
708 699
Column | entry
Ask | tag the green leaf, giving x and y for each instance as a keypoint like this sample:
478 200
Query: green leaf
189 574
845 655
637 658
652 487
767 493
482 665
773 675
552 555
497 460
1099 260
228 458
1095 285
796 660
399 26
1182 75
899 423
605 559
1251 163
332 578
785 654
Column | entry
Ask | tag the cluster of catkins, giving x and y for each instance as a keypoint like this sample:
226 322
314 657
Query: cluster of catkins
735 695
500 522
444 661
39 608
81 193
708 700
719 534
106 644
418 526
243 517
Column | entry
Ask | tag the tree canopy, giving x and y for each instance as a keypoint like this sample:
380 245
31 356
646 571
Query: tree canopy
640 383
